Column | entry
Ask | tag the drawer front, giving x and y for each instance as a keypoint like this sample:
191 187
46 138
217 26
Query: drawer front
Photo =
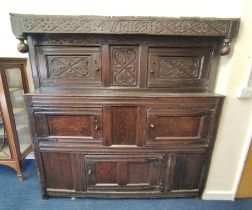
69 123
124 172
179 68
59 66
169 126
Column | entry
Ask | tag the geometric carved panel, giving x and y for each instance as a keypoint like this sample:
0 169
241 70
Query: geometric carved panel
77 67
61 65
179 67
24 24
124 66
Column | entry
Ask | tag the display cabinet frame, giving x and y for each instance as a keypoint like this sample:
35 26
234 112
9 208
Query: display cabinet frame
17 158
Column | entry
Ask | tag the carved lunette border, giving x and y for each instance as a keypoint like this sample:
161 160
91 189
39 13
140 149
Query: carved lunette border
217 27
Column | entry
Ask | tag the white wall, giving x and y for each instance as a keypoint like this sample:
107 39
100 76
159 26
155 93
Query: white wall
235 126
235 129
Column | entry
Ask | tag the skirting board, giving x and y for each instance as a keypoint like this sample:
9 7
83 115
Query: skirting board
218 195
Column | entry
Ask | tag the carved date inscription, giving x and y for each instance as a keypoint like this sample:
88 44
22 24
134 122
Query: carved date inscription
145 25
124 66
69 67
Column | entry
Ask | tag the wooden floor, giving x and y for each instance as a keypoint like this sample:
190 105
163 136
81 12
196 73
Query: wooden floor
245 186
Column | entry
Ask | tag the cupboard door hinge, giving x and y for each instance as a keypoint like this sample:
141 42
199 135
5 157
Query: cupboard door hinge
160 187
164 161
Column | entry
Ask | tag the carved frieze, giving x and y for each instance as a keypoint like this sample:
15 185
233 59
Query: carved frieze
27 24
98 39
124 66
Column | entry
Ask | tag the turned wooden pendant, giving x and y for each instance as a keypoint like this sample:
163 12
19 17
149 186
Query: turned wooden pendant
225 49
22 46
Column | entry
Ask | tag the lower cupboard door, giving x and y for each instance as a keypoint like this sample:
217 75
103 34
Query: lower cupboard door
188 173
124 173
63 171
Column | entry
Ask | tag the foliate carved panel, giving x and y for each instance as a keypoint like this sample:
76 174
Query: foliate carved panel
77 67
124 66
178 67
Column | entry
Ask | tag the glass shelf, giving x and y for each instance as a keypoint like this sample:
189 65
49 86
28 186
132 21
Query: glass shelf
15 85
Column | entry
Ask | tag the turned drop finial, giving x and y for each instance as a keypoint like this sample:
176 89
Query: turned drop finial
22 46
225 49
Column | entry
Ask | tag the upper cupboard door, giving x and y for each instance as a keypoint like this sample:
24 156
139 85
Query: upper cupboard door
70 66
66 123
179 68
179 126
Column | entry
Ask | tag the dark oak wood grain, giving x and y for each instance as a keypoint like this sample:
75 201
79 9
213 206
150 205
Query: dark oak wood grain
27 24
124 106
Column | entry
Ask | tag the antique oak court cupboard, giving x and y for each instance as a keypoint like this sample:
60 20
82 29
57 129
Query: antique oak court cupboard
124 106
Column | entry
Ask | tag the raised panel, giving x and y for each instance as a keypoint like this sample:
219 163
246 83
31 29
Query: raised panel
179 68
124 172
188 172
124 66
124 125
68 123
179 125
106 172
69 66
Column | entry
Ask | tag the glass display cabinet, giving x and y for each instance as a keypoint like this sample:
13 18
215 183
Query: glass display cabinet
15 137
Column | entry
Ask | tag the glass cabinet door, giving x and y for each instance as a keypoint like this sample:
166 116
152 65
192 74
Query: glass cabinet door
16 92
4 146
